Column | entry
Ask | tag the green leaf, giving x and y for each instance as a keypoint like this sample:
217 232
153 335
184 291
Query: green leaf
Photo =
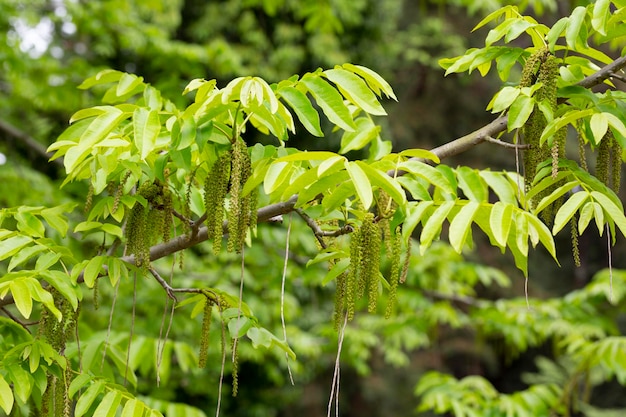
92 270
308 156
337 269
355 90
78 383
6 396
361 183
22 381
615 213
586 214
507 11
600 16
382 180
461 225
376 83
303 108
432 228
22 297
428 173
127 83
471 184
421 154
275 176
414 216
103 77
365 132
568 209
146 128
500 222
12 245
555 195
503 99
556 124
330 101
519 112
24 255
504 187
521 234
259 337
576 32
238 326
98 129
556 31
599 125
133 408
542 231
615 123
56 219
109 404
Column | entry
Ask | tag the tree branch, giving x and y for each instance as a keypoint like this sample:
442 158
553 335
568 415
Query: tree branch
498 126
29 142
268 213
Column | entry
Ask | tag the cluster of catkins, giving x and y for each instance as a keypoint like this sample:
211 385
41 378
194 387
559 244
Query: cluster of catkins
55 400
372 235
228 177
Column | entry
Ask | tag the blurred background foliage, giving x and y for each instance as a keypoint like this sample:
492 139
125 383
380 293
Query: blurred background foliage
447 318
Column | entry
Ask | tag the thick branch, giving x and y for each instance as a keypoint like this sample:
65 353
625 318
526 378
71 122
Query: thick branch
466 142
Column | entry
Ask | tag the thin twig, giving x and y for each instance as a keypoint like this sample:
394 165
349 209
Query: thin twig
182 217
282 297
17 320
334 391
507 144
219 389
318 232
618 77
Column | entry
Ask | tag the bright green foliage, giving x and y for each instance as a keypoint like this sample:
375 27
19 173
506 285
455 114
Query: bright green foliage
166 174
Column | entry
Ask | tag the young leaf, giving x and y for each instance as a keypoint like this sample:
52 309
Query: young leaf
361 183
542 231
600 16
432 228
576 32
330 101
615 213
22 297
568 209
6 396
133 408
472 185
109 404
415 213
303 108
428 173
355 90
12 245
376 83
500 221
461 225
84 402
599 125
365 132
384 181
275 176
92 270
519 112
146 126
